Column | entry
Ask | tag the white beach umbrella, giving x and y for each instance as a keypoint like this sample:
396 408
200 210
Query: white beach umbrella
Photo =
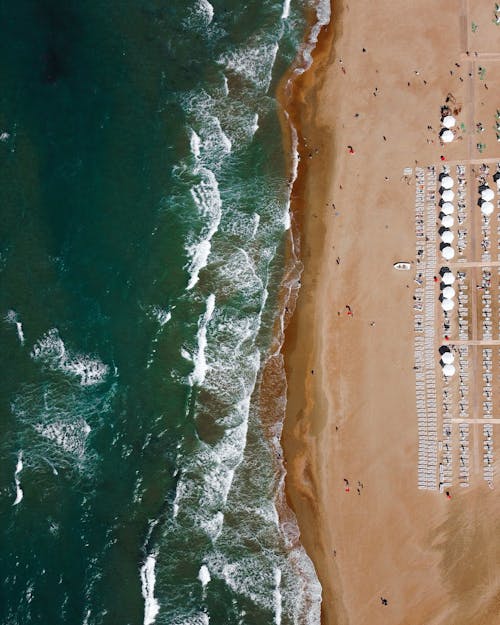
448 252
448 195
487 208
447 136
449 371
447 208
447 304
487 194
447 358
448 278
447 221
447 182
449 292
449 121
447 236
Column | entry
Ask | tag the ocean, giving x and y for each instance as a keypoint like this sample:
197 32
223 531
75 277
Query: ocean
144 189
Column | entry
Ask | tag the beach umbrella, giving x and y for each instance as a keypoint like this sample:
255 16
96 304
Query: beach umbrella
448 252
447 136
447 358
487 208
448 278
448 195
447 208
449 370
447 182
447 236
447 304
447 221
449 292
487 194
448 121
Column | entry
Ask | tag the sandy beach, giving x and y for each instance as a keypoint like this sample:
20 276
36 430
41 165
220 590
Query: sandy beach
368 108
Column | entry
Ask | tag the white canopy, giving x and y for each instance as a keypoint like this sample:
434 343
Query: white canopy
447 208
447 136
447 182
447 304
448 121
448 252
448 195
447 358
449 370
448 278
487 194
487 208
448 292
447 221
447 236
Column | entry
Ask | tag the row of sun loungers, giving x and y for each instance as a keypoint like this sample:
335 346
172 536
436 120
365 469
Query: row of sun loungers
425 303
461 210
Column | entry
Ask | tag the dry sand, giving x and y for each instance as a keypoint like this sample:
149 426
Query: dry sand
351 385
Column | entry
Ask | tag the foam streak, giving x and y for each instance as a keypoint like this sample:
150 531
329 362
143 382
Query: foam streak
148 579
19 468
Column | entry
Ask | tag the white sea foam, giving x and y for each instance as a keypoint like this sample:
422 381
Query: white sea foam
199 254
212 526
253 62
199 360
51 351
248 578
207 9
17 472
204 575
207 198
148 580
208 493
161 315
277 596
197 618
195 143
286 10
71 436
206 481
20 332
200 16
236 273
179 493
53 421
13 317
214 143
255 124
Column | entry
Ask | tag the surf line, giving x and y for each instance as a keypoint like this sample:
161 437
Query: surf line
148 579
19 468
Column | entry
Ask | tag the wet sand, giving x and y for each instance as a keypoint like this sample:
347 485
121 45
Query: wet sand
351 384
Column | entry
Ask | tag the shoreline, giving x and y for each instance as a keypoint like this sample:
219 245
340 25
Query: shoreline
293 89
298 99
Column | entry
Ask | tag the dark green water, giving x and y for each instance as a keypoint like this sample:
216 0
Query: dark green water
143 209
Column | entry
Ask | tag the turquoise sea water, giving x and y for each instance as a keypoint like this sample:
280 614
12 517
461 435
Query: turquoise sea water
144 215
